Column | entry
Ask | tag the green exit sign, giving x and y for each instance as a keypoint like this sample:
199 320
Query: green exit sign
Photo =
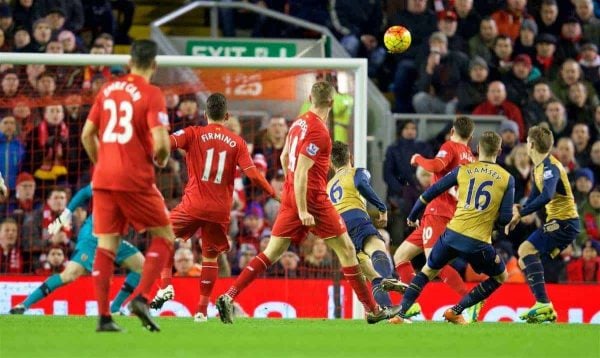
240 48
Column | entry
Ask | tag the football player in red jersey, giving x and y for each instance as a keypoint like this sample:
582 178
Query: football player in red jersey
438 213
126 131
213 154
305 206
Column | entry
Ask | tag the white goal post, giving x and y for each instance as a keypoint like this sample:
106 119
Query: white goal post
357 66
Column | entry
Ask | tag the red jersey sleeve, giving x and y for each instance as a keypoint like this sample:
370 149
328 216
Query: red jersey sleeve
244 161
446 154
313 143
96 111
182 138
157 110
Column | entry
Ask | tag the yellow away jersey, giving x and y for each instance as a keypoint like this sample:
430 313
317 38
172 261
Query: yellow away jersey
343 192
562 204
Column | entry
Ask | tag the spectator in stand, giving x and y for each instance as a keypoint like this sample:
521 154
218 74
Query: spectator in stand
570 39
271 207
509 131
72 10
98 16
448 25
270 144
12 151
548 21
439 77
580 107
584 183
571 73
565 153
591 24
32 72
545 47
11 260
10 84
42 32
45 85
482 44
589 60
49 145
185 265
4 44
509 20
90 71
497 104
595 126
55 262
471 93
69 42
244 255
557 119
585 269
534 111
188 113
358 24
23 14
519 166
7 24
25 203
422 23
525 44
21 40
589 216
172 101
580 135
124 20
502 57
519 80
595 159
289 264
107 41
56 17
253 226
468 19
317 262
55 46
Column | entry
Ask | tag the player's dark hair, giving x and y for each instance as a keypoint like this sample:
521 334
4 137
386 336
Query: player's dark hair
489 143
542 139
322 94
216 106
339 154
463 126
143 53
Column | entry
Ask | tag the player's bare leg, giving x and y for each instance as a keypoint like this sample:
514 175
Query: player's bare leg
134 265
276 247
102 275
208 277
157 255
165 291
404 253
529 261
346 253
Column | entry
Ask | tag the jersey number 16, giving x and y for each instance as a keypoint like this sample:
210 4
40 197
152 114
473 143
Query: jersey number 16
482 195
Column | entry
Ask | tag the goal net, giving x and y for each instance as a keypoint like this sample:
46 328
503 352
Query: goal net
44 103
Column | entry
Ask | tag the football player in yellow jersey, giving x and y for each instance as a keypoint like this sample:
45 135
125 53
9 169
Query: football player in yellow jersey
485 196
347 191
551 189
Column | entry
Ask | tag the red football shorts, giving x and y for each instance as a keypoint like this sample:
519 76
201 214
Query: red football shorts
328 223
114 211
428 232
214 235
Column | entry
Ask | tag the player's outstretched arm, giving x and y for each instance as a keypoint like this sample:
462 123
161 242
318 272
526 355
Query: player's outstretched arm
89 139
257 178
300 183
508 201
447 182
162 145
362 179
534 203
434 165
80 198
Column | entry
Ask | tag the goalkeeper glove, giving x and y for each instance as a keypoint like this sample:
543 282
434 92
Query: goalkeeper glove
62 220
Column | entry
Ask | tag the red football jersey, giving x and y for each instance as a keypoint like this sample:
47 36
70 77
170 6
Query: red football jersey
309 136
125 110
452 154
213 153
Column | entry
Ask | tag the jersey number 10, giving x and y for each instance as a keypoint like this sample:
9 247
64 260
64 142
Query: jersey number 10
482 195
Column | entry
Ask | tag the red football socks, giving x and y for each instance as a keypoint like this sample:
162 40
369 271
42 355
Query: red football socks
255 268
359 285
157 255
102 274
166 274
452 278
208 277
405 271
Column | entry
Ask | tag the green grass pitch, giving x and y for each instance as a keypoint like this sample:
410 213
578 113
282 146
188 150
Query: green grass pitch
46 336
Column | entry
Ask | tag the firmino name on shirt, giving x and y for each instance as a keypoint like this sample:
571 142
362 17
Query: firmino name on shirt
218 136
128 87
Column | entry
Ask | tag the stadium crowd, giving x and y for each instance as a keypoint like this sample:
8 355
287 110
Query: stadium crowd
531 61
